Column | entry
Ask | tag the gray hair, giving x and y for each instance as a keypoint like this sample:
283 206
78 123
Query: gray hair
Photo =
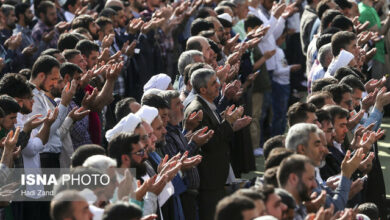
168 95
200 78
323 54
299 134
99 162
6 9
187 57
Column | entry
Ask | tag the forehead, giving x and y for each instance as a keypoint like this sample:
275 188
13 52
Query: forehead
309 169
314 136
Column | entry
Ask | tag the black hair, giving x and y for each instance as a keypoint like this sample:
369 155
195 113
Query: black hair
67 41
342 22
70 53
271 143
70 69
319 84
251 21
319 98
336 111
343 4
321 8
353 82
199 25
103 21
337 91
122 108
323 39
44 64
15 85
108 13
369 209
50 52
323 115
43 7
82 21
21 8
69 3
276 156
293 164
122 211
86 47
298 112
340 40
327 18
343 72
83 152
154 100
231 207
9 104
121 144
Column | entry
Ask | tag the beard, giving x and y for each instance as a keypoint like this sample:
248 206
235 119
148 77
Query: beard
24 110
55 92
140 168
303 191
161 143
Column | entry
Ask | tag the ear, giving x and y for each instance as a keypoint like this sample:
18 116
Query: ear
125 160
41 76
67 78
203 90
293 179
301 149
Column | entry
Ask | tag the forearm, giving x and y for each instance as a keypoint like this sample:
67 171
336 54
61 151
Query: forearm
44 133
7 158
258 63
104 97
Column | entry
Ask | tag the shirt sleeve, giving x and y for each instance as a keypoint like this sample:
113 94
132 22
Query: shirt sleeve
34 146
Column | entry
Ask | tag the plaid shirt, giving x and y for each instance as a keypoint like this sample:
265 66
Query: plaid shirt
39 30
79 131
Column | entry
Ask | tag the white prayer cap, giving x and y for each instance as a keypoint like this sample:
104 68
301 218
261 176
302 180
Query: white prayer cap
362 217
160 81
226 17
147 114
126 124
266 217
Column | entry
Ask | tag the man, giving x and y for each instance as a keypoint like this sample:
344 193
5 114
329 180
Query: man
25 17
201 44
130 152
44 32
87 22
186 58
10 20
126 106
177 143
70 7
45 75
70 204
74 56
357 91
342 95
90 52
54 53
305 139
296 175
216 152
10 108
309 16
301 112
235 207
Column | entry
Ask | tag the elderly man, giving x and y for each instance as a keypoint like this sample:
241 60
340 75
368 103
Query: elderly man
214 168
305 139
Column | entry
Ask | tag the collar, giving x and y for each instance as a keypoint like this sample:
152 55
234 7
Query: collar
210 104
338 147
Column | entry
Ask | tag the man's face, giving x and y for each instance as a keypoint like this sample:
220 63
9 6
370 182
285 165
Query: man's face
94 29
9 121
92 59
312 118
121 18
25 104
28 16
56 90
249 214
327 128
242 10
306 183
50 18
164 115
152 139
11 19
340 129
353 48
108 29
274 206
356 97
79 61
159 130
346 101
219 32
206 50
76 6
212 90
267 4
176 114
81 211
315 149
50 80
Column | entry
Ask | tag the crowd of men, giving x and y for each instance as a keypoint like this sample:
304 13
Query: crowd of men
187 94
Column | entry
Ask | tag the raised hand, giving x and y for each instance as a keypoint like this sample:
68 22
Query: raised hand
366 165
125 187
68 92
242 123
369 100
193 120
108 40
354 120
191 162
51 117
78 113
29 50
374 83
201 136
316 201
89 99
349 165
47 37
157 186
232 114
382 99
33 123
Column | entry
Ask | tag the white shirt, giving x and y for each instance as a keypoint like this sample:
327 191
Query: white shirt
69 16
268 42
282 72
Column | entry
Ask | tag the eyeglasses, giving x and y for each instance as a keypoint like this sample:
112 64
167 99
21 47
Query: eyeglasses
140 153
